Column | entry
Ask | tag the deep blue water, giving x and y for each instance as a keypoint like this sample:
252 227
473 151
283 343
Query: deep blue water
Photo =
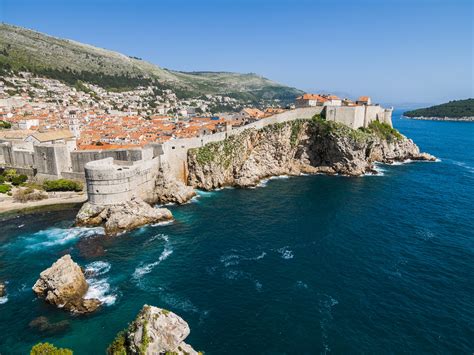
303 265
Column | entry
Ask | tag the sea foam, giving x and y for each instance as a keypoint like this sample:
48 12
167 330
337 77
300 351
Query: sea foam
286 253
58 236
99 288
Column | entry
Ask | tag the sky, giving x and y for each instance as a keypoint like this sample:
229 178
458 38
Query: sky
397 51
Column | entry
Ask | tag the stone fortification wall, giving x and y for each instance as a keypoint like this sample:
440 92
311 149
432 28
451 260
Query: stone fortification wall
358 116
80 158
175 151
45 161
114 176
110 182
351 116
51 160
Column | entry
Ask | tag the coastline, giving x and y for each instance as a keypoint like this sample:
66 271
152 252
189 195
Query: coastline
449 119
8 206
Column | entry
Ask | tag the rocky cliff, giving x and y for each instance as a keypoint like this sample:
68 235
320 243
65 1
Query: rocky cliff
154 331
64 285
292 148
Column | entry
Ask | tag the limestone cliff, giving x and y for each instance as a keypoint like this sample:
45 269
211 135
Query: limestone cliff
154 331
121 216
292 148
169 190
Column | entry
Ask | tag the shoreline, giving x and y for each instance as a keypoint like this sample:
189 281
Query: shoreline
448 119
8 206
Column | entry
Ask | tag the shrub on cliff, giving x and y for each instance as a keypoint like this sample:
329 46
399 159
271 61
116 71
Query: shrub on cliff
62 185
385 131
49 349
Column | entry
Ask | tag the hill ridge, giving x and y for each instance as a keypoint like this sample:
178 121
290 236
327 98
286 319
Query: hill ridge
69 60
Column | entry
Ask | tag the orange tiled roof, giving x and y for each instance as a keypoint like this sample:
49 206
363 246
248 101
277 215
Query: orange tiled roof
312 97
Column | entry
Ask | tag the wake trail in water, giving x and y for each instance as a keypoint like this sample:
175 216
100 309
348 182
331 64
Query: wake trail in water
144 269
235 259
463 165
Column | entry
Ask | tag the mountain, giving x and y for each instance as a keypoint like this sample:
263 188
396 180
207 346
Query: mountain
69 61
456 109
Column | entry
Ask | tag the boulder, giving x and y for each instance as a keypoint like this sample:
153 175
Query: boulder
170 190
122 216
2 289
64 286
154 331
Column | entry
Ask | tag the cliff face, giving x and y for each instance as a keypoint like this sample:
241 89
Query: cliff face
292 148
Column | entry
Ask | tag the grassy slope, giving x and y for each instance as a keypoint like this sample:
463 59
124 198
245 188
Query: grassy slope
452 109
34 51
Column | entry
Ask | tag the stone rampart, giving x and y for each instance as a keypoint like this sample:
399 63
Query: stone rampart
110 182
114 176
51 160
80 158
175 151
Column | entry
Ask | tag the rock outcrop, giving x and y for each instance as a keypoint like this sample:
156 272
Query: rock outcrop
3 290
122 216
154 331
170 190
291 148
64 285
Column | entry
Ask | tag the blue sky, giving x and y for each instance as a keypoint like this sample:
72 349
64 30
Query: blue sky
393 50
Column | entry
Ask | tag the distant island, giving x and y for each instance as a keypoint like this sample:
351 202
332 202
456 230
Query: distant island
457 110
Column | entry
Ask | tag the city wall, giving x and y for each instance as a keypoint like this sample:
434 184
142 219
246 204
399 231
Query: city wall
175 151
114 176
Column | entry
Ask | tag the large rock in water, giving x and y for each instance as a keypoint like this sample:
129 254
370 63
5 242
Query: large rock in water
154 331
122 216
2 289
64 285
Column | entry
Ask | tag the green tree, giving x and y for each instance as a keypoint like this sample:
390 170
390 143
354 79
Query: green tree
49 349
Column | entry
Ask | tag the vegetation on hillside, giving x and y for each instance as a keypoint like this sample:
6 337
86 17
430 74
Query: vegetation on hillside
69 61
451 109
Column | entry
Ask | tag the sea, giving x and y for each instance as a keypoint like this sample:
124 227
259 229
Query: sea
298 265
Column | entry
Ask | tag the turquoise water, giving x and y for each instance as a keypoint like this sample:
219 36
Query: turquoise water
301 265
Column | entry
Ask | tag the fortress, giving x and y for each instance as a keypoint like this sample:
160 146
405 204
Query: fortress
114 176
